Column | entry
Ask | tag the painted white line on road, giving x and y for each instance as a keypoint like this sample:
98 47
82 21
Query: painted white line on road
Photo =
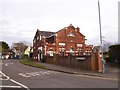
4 86
24 75
105 78
33 74
19 84
7 78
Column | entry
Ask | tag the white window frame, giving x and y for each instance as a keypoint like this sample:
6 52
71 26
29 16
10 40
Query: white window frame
61 44
79 45
40 37
71 34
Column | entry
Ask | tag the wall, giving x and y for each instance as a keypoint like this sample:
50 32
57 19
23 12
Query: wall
92 62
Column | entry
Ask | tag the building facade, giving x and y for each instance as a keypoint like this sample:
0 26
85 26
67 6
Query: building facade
65 41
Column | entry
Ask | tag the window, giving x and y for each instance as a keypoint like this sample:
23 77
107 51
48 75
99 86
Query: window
88 52
71 50
62 44
50 52
71 35
40 37
62 51
80 51
79 45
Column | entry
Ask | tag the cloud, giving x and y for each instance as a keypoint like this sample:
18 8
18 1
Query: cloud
21 18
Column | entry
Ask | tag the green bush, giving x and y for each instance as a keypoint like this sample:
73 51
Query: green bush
25 56
44 58
114 53
32 63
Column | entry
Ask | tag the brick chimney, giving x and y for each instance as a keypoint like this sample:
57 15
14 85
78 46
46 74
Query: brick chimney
37 29
78 29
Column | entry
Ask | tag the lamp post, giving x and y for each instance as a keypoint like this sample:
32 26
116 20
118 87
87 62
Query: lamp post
103 61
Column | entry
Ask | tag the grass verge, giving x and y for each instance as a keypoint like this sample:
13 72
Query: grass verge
33 64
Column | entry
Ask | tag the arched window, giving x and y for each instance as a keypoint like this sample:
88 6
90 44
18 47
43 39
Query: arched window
71 34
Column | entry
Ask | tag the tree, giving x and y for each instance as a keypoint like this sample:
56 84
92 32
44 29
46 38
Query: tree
20 46
4 46
114 53
106 46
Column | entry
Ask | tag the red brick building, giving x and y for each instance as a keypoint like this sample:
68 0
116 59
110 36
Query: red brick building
65 41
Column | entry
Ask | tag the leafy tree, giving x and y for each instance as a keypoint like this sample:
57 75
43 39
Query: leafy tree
3 46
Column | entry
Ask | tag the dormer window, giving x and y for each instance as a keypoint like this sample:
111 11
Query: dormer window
71 35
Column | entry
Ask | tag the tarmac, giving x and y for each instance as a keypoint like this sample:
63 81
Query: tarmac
110 72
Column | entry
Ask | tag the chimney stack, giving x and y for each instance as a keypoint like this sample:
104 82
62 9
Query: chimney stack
78 29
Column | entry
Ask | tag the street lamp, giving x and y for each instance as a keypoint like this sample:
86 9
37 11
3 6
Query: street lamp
103 61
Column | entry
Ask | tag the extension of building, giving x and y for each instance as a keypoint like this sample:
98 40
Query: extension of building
65 41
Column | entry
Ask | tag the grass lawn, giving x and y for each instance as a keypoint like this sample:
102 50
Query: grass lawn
32 63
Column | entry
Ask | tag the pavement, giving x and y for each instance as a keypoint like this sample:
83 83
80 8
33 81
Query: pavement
110 72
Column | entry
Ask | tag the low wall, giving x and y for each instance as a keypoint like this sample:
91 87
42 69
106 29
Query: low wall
82 62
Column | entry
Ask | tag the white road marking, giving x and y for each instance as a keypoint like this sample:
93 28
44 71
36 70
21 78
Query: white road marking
19 84
24 75
8 78
33 74
106 78
10 86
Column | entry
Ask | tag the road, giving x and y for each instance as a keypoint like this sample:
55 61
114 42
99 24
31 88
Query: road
17 75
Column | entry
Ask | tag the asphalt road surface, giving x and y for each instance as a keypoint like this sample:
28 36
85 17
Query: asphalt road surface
16 75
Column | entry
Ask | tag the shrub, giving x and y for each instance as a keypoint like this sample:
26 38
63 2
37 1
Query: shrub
25 56
114 53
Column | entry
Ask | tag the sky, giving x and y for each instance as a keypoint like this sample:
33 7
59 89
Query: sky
20 19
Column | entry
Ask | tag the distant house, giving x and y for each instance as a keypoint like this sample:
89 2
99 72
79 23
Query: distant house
28 51
17 52
11 54
7 54
65 41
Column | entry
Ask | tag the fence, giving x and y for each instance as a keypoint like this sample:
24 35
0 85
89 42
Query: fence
83 62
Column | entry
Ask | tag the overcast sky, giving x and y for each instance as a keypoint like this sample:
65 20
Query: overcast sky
19 19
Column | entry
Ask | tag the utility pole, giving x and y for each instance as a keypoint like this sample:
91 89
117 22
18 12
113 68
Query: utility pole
103 62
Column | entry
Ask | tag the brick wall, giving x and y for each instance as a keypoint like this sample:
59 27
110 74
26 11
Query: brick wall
92 62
